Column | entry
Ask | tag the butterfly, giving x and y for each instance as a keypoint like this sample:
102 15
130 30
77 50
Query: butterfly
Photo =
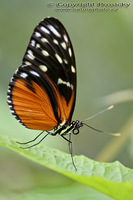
42 92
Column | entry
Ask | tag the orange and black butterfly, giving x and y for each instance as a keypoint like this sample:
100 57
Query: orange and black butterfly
42 92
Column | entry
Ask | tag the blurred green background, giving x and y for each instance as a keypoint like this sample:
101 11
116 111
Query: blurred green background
103 45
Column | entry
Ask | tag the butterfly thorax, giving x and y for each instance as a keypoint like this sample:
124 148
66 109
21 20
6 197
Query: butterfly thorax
67 128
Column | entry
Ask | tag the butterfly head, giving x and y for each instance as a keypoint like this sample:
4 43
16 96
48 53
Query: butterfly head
76 125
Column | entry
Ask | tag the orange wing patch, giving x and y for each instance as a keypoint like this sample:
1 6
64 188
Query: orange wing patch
67 108
63 109
33 108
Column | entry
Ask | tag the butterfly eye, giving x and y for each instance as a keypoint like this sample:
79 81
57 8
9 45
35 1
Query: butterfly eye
75 131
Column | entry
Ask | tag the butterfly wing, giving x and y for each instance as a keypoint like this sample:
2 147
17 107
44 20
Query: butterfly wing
42 92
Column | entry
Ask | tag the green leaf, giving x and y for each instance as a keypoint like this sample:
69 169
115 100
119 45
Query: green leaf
112 179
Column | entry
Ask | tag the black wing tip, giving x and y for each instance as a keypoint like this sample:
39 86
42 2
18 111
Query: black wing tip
51 19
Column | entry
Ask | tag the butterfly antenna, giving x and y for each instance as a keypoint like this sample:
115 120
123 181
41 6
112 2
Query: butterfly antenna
95 129
106 109
106 132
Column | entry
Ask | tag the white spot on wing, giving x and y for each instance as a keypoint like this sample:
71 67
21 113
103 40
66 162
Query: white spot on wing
44 40
54 30
9 89
34 73
45 53
27 63
70 52
38 45
63 44
65 38
43 68
44 29
12 111
58 58
11 80
16 71
9 101
37 34
33 43
24 65
73 69
65 61
30 54
60 81
55 41
23 75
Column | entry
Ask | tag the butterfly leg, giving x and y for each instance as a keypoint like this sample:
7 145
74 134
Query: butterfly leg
24 143
70 148
35 143
69 144
31 140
